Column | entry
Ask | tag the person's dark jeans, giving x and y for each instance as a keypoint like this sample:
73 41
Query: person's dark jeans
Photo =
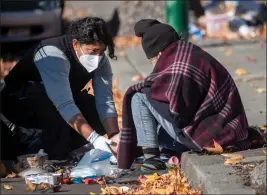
31 108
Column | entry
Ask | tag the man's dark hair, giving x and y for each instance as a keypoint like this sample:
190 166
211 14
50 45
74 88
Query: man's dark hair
90 30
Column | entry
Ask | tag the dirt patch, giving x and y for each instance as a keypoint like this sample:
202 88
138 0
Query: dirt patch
244 171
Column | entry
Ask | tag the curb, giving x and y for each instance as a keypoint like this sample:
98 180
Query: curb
212 175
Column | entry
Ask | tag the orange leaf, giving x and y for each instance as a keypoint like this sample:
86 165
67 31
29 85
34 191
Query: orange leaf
217 149
153 177
231 161
241 71
233 156
31 187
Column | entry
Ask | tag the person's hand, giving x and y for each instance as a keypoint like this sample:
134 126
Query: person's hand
99 142
115 140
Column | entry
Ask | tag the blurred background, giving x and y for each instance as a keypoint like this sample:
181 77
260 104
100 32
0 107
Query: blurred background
25 22
234 32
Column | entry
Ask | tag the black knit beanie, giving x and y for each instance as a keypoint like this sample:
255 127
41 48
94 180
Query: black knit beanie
156 36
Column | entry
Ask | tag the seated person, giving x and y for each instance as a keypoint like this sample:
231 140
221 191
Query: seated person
189 94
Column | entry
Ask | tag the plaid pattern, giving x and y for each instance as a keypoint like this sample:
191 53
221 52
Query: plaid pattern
199 91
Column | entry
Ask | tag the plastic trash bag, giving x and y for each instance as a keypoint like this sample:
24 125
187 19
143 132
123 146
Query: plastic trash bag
94 163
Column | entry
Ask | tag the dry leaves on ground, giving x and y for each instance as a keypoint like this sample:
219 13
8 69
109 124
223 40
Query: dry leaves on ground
8 187
232 159
217 149
241 71
172 183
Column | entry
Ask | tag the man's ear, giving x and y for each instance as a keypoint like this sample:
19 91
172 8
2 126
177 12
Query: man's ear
75 44
159 54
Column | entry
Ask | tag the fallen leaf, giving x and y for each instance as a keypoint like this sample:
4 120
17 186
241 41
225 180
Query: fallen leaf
217 149
241 71
264 151
261 90
233 156
228 52
231 162
8 187
251 59
262 127
31 187
152 177
233 159
92 193
137 78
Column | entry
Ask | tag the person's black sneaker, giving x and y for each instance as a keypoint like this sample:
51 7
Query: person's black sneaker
153 164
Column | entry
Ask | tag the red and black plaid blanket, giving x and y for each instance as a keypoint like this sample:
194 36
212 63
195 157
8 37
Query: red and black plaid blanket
199 90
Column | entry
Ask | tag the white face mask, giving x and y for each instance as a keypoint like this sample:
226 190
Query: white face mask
89 62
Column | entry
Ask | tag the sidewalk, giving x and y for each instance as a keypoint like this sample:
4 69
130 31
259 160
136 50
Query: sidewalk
235 56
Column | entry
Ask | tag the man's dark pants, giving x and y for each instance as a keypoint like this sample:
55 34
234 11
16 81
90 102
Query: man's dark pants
31 108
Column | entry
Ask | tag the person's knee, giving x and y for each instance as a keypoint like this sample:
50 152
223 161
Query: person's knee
137 98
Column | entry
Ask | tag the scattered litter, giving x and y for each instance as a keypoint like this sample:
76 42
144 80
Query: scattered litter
33 160
8 187
261 90
137 78
241 71
31 171
94 163
49 178
217 149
